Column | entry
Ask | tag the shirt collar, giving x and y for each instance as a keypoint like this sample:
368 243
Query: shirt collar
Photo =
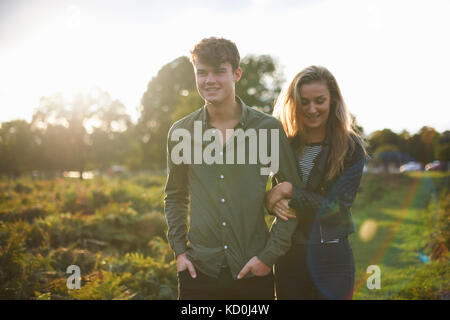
242 120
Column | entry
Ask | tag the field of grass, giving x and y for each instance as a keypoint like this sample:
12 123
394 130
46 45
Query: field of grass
405 217
114 230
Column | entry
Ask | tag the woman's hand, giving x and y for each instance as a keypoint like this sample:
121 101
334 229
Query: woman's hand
277 193
283 211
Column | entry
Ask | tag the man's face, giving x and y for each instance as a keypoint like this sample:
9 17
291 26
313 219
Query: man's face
216 84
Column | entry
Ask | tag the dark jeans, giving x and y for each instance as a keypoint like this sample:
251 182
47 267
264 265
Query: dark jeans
316 272
224 287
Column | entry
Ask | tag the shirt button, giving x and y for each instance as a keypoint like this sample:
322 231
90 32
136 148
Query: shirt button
222 200
214 131
222 176
224 224
221 153
225 247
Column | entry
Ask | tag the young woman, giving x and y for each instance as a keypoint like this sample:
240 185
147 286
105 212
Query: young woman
331 158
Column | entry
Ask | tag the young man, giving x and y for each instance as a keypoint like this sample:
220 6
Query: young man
230 253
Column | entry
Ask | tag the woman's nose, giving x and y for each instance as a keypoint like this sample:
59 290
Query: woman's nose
310 107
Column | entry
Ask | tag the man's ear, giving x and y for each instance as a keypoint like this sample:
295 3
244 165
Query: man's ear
237 74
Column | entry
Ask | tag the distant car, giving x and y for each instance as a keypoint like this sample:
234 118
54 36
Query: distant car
116 170
411 166
435 165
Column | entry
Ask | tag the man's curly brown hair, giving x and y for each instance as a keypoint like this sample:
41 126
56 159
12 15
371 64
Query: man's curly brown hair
214 51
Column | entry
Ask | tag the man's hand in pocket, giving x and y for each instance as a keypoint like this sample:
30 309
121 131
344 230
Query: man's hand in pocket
256 266
183 263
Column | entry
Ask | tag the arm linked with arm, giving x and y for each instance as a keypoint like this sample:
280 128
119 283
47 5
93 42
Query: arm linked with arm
342 194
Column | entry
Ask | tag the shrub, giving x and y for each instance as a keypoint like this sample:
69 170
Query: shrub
22 188
160 250
149 226
97 199
70 202
149 279
440 238
431 282
21 272
103 285
64 257
125 230
65 229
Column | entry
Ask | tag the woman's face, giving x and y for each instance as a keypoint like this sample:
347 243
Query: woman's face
314 106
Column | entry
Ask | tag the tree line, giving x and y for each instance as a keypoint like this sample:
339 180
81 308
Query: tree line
92 131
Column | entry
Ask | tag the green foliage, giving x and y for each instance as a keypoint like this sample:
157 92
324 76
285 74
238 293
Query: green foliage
62 257
260 83
158 103
440 238
18 147
442 147
103 285
384 137
112 228
425 146
21 271
187 103
148 278
430 282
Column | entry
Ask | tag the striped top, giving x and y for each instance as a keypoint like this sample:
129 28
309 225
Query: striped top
306 160
306 163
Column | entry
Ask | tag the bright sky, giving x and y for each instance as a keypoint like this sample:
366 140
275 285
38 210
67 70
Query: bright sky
390 58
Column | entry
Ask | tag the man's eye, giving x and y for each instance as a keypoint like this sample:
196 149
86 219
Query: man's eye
320 101
304 102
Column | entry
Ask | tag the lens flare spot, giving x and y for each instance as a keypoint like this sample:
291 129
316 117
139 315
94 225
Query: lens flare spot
368 230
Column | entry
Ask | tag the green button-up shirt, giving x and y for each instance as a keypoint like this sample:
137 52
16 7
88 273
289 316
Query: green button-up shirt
226 199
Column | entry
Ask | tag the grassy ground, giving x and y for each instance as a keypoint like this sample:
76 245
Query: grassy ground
404 210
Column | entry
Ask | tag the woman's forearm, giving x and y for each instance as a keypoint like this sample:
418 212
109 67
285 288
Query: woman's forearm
342 193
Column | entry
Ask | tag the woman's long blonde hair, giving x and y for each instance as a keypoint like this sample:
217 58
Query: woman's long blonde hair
341 130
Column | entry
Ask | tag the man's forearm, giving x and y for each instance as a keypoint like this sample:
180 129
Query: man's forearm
176 202
279 241
281 232
176 209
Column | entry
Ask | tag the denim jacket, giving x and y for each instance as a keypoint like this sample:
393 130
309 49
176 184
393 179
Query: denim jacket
323 207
